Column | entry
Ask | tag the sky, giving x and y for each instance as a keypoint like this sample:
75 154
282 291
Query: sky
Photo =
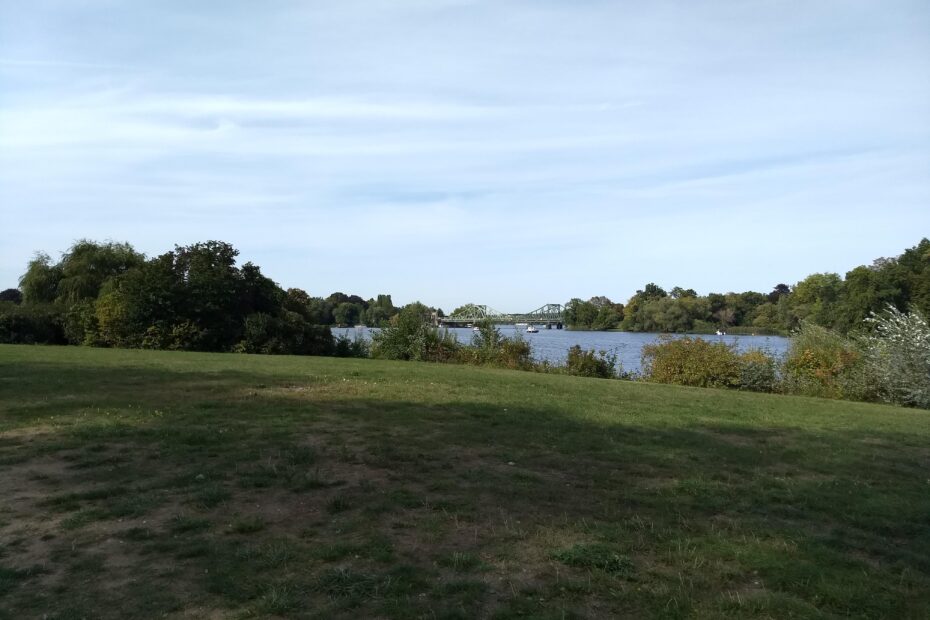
510 153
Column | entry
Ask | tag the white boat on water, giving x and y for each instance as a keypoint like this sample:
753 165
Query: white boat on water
476 329
531 329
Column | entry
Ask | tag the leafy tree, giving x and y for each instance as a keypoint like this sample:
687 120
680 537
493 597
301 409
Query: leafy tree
297 300
815 299
608 317
597 313
191 298
570 311
467 310
765 316
679 293
652 291
744 305
341 298
716 302
411 336
143 302
88 264
586 314
347 313
258 293
725 316
376 316
780 290
912 270
40 282
866 290
12 295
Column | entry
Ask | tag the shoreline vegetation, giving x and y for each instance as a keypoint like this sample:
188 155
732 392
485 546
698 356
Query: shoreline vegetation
141 483
731 331
859 338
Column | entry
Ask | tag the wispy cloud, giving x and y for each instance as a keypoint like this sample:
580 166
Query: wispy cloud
33 64
612 142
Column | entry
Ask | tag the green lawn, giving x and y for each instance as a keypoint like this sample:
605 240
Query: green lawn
141 484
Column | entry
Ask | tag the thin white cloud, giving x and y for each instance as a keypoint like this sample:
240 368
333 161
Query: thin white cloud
617 135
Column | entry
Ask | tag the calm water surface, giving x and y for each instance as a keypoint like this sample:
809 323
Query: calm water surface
552 345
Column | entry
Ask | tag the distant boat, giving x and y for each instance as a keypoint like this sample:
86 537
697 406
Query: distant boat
532 330
476 329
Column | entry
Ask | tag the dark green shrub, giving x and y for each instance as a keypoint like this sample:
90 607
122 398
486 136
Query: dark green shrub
289 334
515 353
12 295
351 347
823 363
30 324
411 336
490 348
590 363
691 361
757 372
79 323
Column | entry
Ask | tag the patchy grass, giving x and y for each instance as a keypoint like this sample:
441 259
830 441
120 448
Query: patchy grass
596 556
145 484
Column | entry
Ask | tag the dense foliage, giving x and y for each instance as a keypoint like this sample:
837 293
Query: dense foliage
411 336
691 361
891 363
824 299
897 357
591 363
864 337
824 363
192 298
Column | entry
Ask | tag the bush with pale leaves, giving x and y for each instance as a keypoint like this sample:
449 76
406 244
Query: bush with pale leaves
897 355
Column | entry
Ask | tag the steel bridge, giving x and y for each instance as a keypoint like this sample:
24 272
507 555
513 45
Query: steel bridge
550 315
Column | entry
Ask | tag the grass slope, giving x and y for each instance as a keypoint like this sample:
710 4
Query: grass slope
139 484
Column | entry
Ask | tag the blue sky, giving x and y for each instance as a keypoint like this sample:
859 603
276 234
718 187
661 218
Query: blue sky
512 153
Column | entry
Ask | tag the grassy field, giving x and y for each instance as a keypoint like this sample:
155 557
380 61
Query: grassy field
150 484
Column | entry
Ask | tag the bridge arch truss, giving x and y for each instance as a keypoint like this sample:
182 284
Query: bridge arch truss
548 315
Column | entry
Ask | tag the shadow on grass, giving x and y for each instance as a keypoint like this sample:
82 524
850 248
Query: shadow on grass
222 481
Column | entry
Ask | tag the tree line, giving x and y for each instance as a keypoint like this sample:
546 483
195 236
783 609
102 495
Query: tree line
194 297
824 299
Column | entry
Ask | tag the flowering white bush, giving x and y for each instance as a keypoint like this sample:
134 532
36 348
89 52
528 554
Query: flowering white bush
898 356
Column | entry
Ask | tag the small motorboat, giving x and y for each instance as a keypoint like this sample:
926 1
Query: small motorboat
531 329
476 329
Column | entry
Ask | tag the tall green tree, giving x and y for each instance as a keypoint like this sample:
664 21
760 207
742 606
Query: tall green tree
40 282
88 264
815 299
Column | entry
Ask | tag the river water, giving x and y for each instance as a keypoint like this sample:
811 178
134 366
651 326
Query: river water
552 345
